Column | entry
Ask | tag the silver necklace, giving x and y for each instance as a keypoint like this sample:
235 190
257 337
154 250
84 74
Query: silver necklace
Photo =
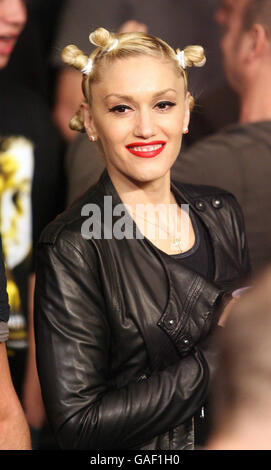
176 244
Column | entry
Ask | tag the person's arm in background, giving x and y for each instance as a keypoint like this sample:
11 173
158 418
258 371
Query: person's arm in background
14 432
32 399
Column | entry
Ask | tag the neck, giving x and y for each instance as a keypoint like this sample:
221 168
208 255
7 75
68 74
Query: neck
255 100
133 192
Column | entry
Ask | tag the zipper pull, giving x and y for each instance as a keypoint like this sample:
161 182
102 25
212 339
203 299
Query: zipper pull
202 413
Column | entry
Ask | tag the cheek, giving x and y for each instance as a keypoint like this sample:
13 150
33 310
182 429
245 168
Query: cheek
223 44
226 39
174 126
113 132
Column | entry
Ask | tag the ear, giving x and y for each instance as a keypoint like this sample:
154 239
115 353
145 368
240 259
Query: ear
186 117
258 43
88 120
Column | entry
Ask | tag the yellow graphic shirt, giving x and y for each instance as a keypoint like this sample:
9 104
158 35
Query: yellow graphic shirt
16 177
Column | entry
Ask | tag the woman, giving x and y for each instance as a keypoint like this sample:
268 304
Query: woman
125 313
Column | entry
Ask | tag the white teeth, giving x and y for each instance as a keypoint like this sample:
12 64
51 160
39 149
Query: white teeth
147 148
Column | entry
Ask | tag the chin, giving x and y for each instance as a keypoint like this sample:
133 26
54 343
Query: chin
148 175
4 61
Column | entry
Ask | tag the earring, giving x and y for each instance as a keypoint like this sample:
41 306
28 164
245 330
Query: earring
92 137
185 131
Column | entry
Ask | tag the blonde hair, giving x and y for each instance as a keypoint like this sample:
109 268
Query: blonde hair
111 46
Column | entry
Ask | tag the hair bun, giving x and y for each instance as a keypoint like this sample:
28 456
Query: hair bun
77 122
194 56
71 55
102 38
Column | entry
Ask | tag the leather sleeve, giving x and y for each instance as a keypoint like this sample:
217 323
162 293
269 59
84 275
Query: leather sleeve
73 356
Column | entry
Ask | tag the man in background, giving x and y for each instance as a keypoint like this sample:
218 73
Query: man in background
238 158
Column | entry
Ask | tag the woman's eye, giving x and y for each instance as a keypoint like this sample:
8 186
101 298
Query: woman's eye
164 105
119 109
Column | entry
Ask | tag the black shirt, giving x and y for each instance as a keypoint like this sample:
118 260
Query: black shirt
200 257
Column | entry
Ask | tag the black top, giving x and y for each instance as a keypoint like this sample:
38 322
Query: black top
200 257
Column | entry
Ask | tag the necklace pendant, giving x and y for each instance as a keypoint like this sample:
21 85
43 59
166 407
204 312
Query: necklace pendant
177 245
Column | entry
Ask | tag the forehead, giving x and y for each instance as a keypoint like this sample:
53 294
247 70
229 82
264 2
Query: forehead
228 5
229 9
138 75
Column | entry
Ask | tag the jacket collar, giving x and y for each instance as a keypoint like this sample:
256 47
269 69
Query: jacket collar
206 201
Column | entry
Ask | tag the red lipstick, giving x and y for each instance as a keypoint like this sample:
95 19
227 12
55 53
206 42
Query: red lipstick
146 149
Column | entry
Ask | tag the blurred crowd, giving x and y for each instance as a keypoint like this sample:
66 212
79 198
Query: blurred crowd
44 165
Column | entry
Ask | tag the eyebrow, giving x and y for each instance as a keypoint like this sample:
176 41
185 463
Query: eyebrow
127 97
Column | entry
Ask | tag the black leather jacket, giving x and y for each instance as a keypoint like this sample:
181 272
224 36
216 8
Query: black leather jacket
121 365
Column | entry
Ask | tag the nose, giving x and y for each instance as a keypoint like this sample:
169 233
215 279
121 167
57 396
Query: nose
14 12
145 126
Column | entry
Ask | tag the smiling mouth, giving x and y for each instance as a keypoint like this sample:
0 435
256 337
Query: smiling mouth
150 150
